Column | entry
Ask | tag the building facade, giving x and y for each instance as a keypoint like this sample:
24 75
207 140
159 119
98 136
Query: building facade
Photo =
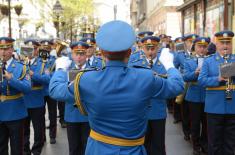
205 17
159 16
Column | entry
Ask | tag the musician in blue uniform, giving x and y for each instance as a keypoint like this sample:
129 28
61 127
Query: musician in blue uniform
195 95
34 100
51 104
220 97
14 82
138 53
77 124
92 60
179 63
155 135
117 97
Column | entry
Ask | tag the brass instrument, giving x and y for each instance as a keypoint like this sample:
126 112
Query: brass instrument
61 48
26 52
229 83
2 69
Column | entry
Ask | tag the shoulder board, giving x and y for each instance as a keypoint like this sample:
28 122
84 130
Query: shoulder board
136 51
135 60
89 69
139 66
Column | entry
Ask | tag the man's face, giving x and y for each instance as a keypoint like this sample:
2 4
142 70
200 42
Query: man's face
6 53
224 47
90 51
35 52
150 51
201 50
188 44
79 57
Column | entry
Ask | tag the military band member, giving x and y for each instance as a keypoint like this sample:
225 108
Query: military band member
77 124
179 63
34 101
116 98
155 134
51 104
92 60
195 95
14 82
220 97
138 53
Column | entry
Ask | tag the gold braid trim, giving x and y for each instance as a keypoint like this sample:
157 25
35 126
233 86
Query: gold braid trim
77 94
23 72
43 66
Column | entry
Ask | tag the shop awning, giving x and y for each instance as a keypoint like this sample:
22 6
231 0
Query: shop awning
186 4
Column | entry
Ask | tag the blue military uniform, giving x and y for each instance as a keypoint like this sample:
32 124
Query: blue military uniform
77 124
195 97
34 101
155 135
179 62
51 104
12 108
93 61
220 111
116 127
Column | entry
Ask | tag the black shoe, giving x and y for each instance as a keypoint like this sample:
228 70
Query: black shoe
27 153
52 141
187 137
177 121
63 125
196 152
204 150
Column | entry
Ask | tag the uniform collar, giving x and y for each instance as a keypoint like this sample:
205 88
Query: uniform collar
9 62
112 63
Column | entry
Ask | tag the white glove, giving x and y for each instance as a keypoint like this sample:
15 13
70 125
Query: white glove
166 58
63 63
53 53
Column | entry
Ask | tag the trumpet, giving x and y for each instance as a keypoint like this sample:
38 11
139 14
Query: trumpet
61 48
229 83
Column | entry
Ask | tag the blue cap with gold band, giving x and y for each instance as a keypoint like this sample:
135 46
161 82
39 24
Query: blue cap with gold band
32 42
6 42
79 46
202 41
90 41
161 36
224 36
115 36
46 42
179 40
191 37
145 34
150 41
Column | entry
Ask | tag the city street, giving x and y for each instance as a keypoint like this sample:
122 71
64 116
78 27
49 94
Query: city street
175 144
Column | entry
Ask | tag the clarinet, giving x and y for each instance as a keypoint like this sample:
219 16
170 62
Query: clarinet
229 83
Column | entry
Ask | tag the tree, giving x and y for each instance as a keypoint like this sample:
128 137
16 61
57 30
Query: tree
73 10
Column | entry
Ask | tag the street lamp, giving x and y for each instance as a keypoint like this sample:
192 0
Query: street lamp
57 10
